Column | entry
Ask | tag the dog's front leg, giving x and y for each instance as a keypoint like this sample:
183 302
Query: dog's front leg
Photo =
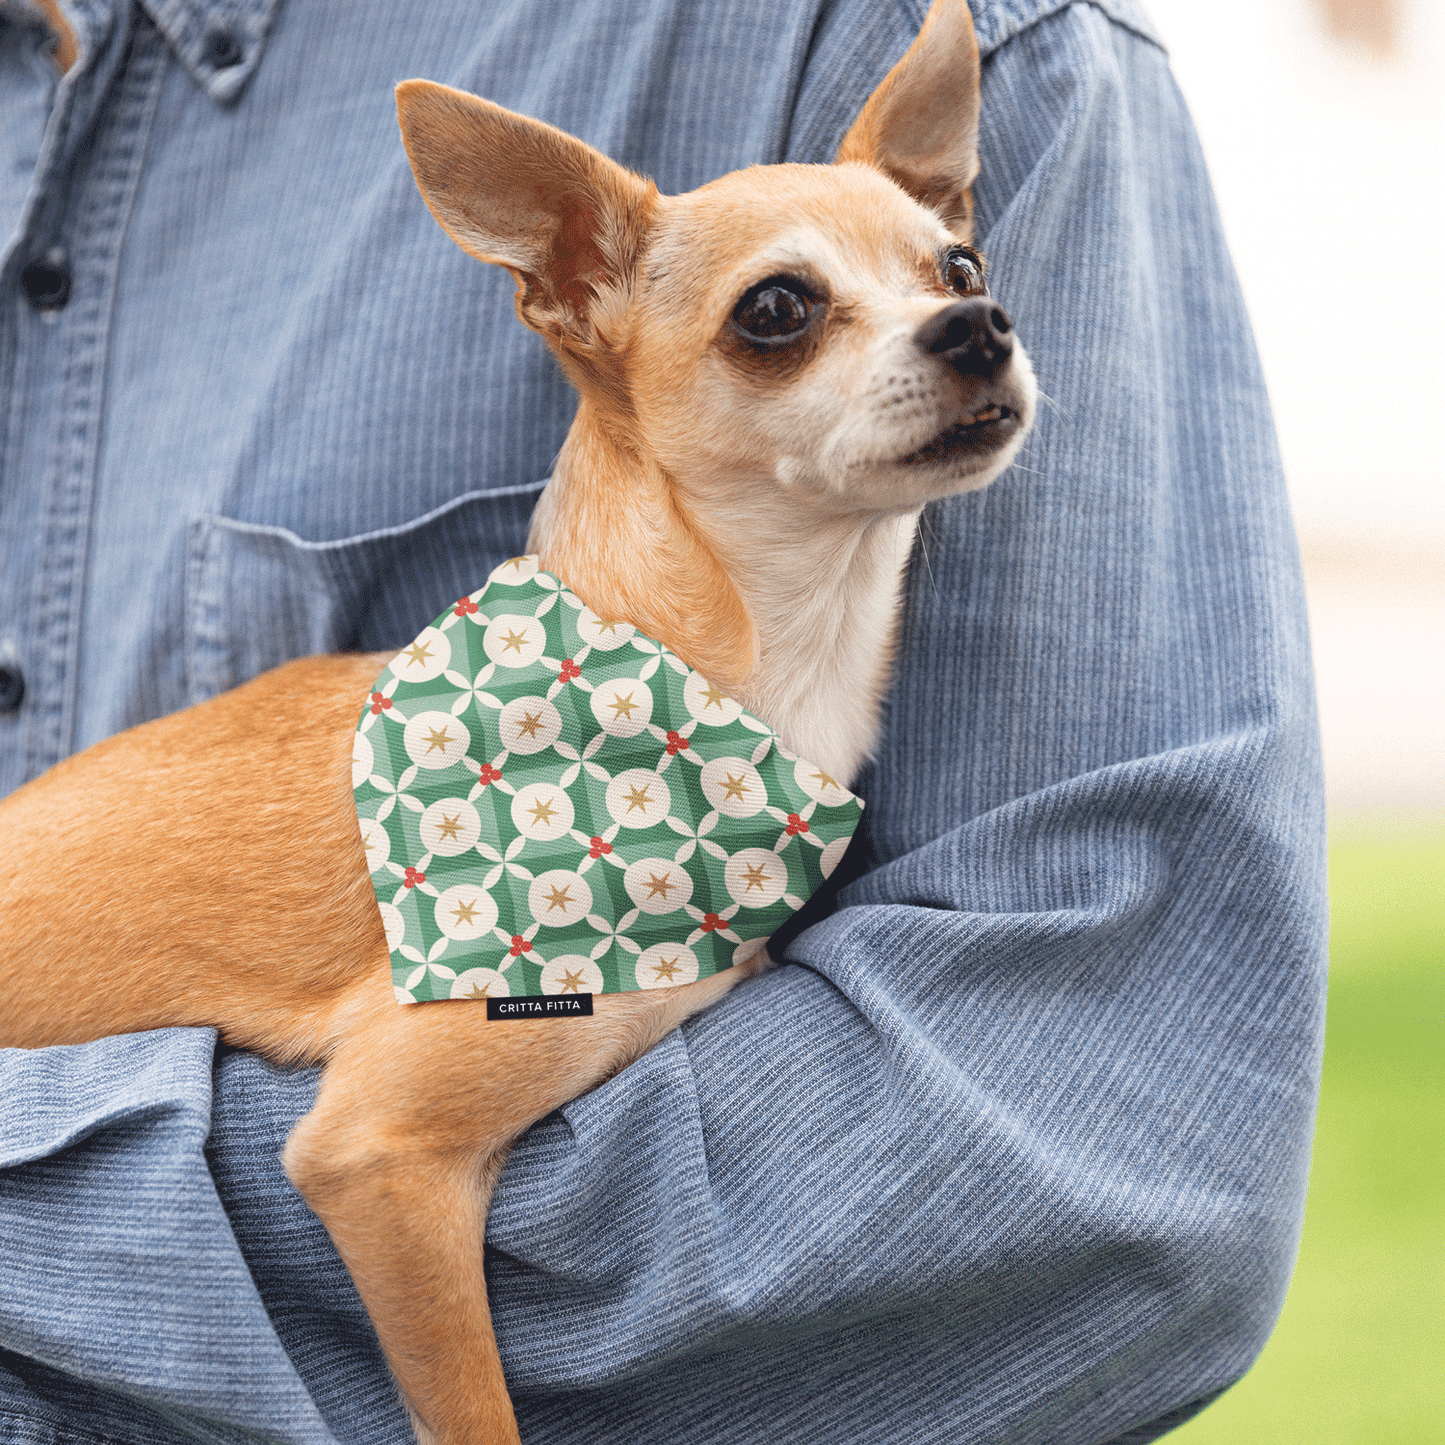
410 1232
403 1148
399 1158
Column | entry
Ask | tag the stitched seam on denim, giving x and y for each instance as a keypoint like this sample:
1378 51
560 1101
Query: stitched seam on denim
207 653
380 534
1014 27
108 193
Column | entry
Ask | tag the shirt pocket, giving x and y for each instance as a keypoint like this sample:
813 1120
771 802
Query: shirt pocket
257 596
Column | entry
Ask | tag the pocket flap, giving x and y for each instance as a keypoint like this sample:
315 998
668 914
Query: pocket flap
258 596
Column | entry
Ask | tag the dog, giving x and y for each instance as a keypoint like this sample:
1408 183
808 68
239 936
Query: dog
776 373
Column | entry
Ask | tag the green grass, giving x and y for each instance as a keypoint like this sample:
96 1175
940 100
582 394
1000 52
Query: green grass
1358 1357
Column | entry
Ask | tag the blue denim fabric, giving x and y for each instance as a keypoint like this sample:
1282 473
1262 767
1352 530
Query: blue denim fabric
1014 1146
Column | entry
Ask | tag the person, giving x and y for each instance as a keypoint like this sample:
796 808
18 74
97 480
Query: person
1013 1144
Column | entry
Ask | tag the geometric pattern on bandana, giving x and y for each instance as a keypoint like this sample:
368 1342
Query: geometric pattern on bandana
554 803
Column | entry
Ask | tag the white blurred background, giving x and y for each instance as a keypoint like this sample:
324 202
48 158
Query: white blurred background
1324 125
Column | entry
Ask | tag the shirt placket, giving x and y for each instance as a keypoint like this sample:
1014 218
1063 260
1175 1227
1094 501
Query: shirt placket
62 273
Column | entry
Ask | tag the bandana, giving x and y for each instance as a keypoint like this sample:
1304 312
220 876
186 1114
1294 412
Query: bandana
551 803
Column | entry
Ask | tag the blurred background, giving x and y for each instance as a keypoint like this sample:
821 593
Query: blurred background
1324 125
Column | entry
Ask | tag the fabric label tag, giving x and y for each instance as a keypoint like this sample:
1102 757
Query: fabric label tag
541 1006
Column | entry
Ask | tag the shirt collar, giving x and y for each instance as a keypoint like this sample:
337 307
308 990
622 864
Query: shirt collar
218 41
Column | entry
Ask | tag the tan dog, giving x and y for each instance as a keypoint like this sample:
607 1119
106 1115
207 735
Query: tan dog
777 371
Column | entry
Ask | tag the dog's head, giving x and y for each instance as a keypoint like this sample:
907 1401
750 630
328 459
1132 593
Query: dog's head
824 331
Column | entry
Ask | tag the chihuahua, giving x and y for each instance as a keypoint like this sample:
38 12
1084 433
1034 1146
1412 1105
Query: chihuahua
777 372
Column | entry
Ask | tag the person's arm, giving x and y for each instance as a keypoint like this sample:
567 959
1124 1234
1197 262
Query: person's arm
126 1303
1017 1148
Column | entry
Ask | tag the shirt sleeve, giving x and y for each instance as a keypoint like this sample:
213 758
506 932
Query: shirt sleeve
1015 1146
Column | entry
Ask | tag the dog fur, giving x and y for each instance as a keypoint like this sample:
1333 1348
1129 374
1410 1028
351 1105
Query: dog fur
751 505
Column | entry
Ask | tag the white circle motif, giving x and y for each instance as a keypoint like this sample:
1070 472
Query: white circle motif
427 657
480 983
709 704
665 965
734 787
394 924
572 973
542 811
604 636
559 897
377 842
450 826
832 855
465 911
657 885
513 572
363 759
529 724
514 640
819 784
748 948
755 877
622 707
638 798
435 740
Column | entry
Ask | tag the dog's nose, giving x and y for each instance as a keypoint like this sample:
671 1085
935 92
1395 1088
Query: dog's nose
975 337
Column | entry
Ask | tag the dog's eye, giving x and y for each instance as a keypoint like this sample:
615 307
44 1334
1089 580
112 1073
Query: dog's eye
963 271
772 311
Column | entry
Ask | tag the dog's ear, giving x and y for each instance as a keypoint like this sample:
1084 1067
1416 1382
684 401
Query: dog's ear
920 127
566 221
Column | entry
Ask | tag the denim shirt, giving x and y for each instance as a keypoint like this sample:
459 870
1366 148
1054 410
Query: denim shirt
1013 1146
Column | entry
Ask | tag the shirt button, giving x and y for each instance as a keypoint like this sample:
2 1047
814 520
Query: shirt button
223 50
47 281
12 686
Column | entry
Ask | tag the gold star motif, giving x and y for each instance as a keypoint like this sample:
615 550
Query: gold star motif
369 840
572 982
715 696
437 738
418 652
734 787
656 885
757 877
621 705
665 967
542 811
517 562
637 798
450 827
479 990
607 627
531 721
466 912
823 778
514 641
560 898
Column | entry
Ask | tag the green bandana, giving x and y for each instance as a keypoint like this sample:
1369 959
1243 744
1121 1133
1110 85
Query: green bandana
551 803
